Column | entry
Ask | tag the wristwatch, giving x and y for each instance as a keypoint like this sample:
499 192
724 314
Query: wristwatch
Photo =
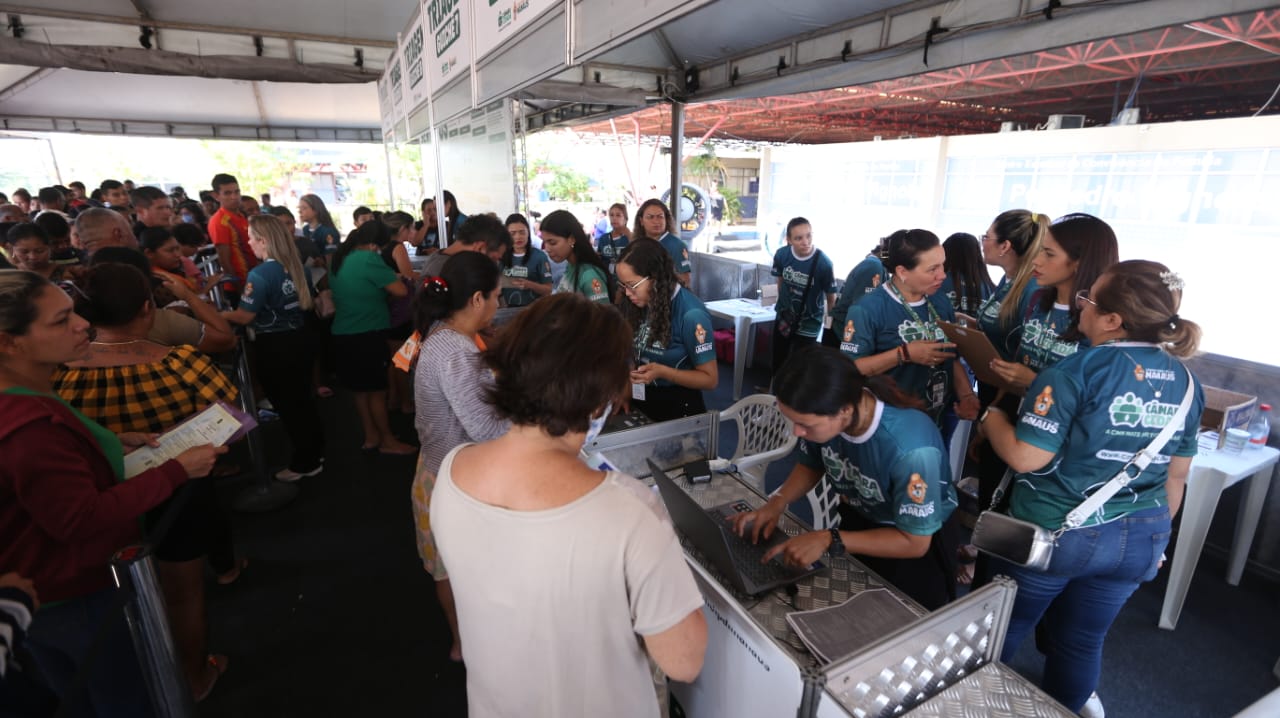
837 543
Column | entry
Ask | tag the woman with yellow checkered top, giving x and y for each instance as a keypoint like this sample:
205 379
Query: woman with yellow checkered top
128 383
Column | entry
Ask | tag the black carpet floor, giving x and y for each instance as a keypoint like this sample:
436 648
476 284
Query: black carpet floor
335 616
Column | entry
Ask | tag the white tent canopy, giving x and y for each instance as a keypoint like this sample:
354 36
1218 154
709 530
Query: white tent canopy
302 69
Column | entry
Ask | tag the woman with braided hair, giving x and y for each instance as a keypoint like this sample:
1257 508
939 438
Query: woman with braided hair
674 352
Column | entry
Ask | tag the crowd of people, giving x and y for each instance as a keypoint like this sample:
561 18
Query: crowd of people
111 323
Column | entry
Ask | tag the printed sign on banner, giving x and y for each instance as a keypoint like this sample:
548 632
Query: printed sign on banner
386 108
497 21
412 45
449 24
396 88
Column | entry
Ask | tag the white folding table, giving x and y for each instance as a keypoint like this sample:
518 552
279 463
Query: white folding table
1211 473
745 314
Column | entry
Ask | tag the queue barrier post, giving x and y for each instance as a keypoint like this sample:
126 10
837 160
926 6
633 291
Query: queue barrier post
144 610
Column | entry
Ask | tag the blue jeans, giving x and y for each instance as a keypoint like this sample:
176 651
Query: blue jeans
1094 570
60 638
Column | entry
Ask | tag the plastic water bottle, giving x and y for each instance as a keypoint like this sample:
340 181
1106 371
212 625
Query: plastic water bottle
1260 427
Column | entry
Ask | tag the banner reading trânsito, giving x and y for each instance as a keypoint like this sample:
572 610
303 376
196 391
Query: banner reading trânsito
415 81
449 38
497 21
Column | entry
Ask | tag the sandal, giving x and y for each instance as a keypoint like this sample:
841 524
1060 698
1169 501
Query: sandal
218 664
233 575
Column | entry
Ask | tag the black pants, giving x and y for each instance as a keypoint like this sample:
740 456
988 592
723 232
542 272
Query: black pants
784 346
930 580
284 368
664 403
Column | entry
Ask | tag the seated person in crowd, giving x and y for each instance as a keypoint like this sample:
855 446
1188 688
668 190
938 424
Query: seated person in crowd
877 451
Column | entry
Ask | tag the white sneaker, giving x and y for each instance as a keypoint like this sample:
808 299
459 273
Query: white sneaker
1092 708
287 474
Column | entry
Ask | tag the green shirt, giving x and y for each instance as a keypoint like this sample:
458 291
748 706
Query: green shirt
358 292
591 282
107 440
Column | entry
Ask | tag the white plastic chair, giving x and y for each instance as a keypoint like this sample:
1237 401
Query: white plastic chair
823 501
764 435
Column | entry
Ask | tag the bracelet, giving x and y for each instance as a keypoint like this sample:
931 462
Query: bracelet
901 355
906 354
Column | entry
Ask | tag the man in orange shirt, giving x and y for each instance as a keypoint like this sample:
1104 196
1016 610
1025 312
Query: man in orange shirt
229 231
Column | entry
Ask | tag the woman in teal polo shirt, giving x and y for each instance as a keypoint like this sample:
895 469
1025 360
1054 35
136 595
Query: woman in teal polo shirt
527 269
564 239
654 220
361 283
880 454
674 351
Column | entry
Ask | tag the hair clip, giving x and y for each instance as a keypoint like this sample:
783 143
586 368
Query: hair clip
1173 321
437 283
1172 281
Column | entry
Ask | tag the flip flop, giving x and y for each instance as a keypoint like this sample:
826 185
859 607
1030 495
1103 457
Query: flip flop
219 665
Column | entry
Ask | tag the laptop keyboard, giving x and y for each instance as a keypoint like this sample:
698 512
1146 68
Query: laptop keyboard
746 555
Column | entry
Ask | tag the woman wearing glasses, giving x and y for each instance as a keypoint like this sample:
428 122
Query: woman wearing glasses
1084 418
675 354
654 221
1073 254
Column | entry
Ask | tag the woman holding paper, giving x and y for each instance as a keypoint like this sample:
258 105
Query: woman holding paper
1084 420
65 505
876 451
129 384
894 330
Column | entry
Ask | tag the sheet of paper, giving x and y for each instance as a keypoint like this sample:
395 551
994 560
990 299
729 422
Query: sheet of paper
838 631
215 425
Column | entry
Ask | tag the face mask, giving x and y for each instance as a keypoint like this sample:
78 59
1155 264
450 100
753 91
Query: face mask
597 424
188 218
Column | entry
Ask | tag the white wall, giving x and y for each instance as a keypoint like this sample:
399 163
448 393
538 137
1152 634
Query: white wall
1202 197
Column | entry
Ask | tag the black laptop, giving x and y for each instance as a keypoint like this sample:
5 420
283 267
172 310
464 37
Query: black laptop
735 556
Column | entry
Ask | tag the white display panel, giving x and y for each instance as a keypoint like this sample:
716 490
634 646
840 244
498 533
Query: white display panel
475 153
499 21
449 39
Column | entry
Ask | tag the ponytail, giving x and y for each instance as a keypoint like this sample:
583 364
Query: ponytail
460 278
1024 231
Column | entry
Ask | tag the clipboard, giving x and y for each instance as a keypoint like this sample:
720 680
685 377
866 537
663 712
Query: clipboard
977 350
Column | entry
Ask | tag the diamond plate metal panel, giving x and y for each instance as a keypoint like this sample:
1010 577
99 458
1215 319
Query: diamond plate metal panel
993 691
844 579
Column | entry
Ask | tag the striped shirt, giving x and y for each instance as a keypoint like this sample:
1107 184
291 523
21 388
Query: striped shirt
449 388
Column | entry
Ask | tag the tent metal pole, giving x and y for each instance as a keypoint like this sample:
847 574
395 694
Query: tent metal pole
677 147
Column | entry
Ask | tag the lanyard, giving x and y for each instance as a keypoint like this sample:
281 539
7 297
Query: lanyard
933 313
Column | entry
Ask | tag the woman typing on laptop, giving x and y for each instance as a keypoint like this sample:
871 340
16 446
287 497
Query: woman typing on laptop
884 457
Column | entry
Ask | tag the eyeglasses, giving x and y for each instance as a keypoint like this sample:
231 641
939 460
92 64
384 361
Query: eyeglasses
633 286
654 216
1082 296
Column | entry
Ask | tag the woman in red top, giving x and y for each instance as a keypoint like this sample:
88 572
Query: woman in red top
64 506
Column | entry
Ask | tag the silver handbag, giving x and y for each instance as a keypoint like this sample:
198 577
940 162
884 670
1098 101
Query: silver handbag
1027 544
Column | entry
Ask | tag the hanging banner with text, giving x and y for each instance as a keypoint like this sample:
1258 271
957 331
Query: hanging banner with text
449 35
395 88
498 21
386 107
412 43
